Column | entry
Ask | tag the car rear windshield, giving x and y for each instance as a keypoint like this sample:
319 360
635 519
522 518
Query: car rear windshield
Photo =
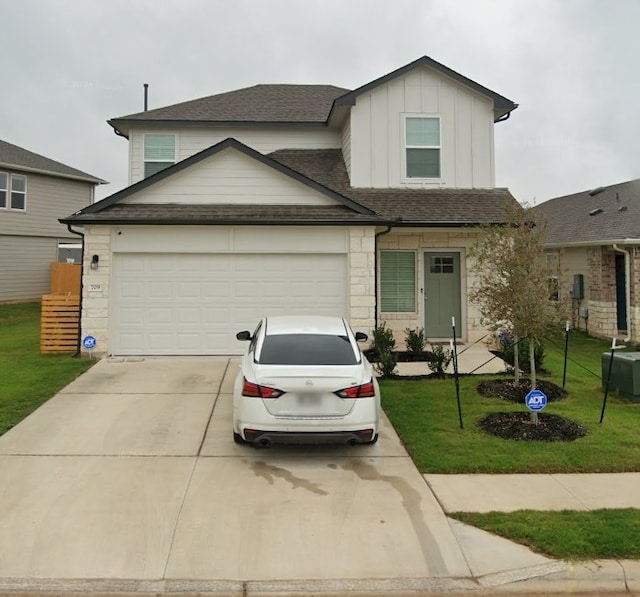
307 349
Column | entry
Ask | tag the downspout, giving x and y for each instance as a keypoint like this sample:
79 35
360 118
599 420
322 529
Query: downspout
80 234
375 273
627 287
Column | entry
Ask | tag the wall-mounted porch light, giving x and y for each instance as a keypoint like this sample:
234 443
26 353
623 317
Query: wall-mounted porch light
94 262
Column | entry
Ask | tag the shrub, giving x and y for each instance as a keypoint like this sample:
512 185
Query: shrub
383 340
439 360
386 364
415 340
384 349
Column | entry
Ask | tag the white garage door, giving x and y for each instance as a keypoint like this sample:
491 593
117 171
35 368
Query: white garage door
177 304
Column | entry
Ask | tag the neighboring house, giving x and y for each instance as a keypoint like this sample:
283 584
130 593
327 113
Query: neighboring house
34 192
594 237
295 199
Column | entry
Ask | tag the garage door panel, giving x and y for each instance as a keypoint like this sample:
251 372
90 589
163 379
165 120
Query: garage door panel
195 304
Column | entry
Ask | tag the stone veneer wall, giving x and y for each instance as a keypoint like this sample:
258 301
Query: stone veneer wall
362 279
419 241
95 289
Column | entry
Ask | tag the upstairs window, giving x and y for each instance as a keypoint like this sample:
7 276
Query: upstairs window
397 282
422 143
4 189
13 191
159 152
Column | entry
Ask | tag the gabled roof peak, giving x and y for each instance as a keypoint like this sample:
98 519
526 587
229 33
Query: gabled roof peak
502 106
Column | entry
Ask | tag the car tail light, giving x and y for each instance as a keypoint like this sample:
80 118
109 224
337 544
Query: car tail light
366 390
256 391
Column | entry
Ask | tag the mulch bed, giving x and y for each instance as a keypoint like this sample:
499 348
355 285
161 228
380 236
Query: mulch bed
506 389
518 426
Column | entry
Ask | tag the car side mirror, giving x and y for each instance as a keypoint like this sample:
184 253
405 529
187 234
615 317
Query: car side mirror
244 335
361 337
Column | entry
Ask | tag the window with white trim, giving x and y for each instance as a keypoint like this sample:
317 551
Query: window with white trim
159 152
397 282
13 191
422 146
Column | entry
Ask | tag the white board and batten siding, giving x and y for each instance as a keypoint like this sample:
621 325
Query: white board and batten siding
189 292
466 128
192 140
230 177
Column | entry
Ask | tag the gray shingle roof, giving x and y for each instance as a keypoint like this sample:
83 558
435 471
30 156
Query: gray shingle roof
318 215
12 156
323 170
599 216
299 104
283 104
413 206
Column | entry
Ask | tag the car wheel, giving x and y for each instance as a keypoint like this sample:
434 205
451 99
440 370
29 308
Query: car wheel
238 438
374 440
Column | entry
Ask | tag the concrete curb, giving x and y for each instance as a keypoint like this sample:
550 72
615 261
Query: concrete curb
598 577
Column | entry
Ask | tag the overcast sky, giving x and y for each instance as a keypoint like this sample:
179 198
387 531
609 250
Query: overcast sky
571 65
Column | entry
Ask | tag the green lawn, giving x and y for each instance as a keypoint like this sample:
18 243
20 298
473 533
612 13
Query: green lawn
567 535
425 415
29 378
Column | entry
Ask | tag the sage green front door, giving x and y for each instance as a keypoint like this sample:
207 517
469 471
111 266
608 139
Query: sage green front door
442 299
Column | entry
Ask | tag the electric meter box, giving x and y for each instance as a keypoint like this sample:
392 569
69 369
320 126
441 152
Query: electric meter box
625 374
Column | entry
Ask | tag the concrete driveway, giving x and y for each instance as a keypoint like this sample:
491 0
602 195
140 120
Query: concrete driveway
129 478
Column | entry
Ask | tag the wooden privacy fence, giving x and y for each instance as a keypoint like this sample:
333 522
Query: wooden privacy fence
65 277
59 323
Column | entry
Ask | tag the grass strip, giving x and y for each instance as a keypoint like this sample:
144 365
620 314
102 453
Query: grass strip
568 534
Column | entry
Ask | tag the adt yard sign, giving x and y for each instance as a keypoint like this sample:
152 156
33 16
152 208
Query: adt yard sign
89 342
536 400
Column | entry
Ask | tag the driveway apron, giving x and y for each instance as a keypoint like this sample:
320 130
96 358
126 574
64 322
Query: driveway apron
131 472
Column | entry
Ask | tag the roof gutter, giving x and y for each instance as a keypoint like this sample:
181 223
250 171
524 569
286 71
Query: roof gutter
594 243
627 286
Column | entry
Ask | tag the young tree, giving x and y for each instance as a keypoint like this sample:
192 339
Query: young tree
512 285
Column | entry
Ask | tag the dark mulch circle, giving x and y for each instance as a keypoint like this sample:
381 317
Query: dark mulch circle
506 389
518 426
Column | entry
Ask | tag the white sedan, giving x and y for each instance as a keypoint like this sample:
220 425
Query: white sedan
303 379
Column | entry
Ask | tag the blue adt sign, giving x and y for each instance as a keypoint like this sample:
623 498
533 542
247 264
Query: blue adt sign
536 400
89 342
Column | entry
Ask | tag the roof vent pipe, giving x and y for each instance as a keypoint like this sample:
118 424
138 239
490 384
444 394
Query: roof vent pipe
146 96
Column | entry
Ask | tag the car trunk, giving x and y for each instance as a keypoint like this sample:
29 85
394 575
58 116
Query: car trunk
310 394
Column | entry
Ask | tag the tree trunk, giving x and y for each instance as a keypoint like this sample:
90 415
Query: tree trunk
516 361
532 365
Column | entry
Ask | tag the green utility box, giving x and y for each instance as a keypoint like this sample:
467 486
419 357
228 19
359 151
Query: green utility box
625 374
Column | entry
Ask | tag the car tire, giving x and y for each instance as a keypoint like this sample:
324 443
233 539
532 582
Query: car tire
238 439
373 441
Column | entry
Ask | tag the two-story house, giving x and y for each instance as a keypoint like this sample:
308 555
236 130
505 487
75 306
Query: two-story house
295 199
34 192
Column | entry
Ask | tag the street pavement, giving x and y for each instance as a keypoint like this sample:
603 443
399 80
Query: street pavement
129 480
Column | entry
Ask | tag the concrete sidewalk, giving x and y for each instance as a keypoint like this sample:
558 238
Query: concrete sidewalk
129 481
508 493
472 358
